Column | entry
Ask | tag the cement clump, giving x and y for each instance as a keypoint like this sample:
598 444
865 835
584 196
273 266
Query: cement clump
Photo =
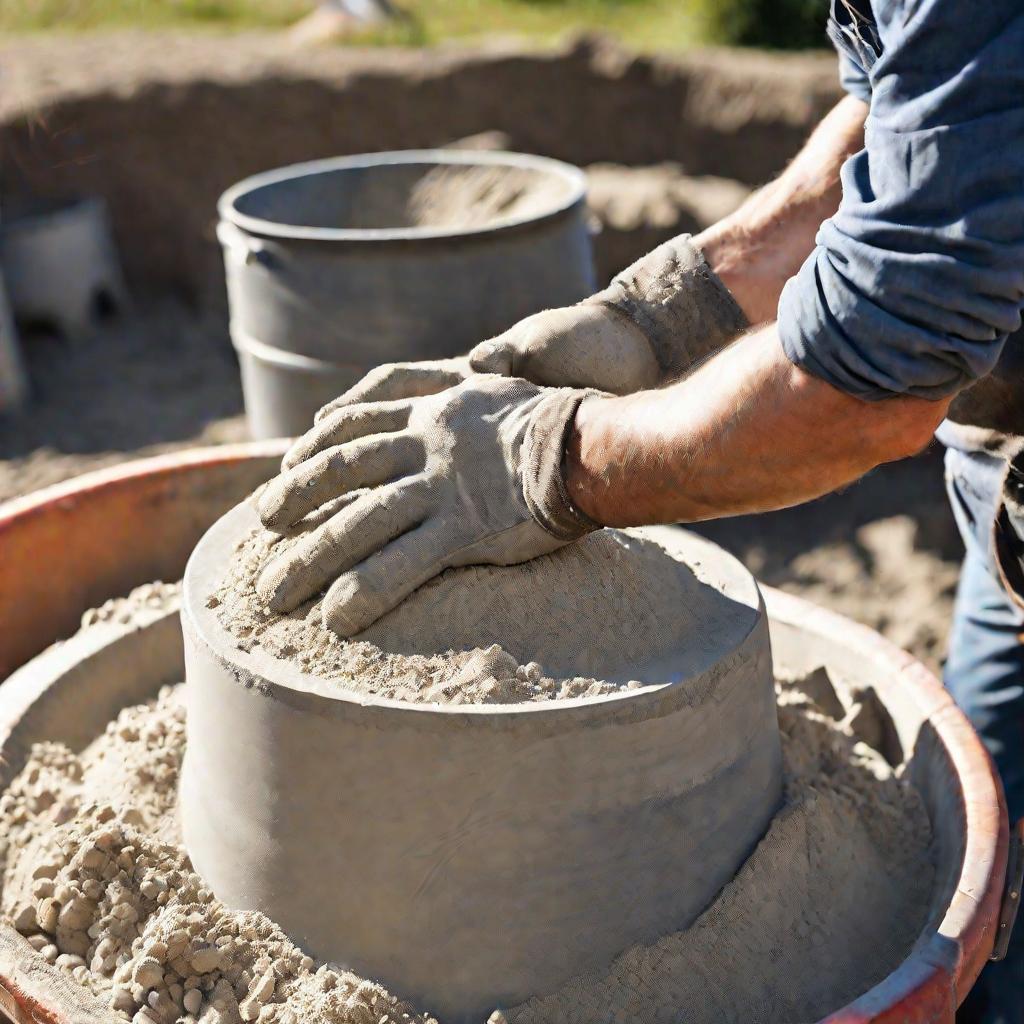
491 634
95 876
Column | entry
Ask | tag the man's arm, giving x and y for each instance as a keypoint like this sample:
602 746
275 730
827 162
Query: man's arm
747 432
762 244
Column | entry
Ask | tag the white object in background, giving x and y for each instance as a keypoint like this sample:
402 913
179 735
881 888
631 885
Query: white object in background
333 20
61 267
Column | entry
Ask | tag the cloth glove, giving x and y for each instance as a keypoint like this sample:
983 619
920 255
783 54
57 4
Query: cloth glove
659 317
470 475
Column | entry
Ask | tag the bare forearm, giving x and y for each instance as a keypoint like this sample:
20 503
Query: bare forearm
747 432
760 246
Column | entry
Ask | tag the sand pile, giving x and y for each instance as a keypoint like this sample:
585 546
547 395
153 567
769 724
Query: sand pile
494 635
96 877
830 901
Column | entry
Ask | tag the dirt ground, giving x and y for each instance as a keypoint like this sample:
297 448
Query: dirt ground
884 552
159 124
160 378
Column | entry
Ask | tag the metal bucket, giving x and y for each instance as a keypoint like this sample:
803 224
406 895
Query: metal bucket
336 266
109 531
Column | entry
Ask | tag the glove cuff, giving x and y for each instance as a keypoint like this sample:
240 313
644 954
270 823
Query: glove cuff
681 305
543 464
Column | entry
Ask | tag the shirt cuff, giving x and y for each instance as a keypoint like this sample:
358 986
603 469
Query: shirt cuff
841 336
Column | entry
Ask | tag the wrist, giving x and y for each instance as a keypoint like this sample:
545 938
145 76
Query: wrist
679 304
586 482
543 451
752 265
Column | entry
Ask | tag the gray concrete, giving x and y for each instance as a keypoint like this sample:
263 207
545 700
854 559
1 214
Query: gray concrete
67 693
473 856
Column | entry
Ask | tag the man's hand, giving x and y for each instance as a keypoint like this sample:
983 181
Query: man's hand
467 476
588 345
391 381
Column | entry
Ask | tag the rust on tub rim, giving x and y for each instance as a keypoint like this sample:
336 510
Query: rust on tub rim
72 546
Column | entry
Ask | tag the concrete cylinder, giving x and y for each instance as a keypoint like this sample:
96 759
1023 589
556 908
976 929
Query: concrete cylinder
332 271
473 856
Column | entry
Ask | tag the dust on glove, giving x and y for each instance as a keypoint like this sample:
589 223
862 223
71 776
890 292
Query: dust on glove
657 319
470 475
401 380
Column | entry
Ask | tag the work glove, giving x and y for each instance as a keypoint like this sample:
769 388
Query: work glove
470 475
661 316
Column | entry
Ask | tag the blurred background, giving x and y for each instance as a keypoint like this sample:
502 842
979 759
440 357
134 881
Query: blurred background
645 24
675 109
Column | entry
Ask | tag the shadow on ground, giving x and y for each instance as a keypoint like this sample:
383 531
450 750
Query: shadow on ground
884 551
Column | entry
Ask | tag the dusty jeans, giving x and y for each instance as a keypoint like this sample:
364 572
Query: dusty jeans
985 674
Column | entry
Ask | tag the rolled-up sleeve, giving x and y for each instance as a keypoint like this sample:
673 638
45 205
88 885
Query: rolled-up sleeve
916 281
853 78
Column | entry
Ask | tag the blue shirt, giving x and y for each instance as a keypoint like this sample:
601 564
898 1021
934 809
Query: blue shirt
917 280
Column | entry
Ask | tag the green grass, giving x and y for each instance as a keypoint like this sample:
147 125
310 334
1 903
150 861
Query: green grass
77 15
643 24
660 24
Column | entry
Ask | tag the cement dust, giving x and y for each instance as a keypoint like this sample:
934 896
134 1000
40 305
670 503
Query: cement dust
496 635
448 197
466 196
829 902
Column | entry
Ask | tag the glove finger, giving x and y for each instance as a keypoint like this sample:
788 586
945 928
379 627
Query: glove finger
371 589
394 381
347 424
366 462
492 357
357 531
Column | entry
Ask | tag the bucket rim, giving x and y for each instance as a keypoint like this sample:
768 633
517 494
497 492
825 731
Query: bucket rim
228 211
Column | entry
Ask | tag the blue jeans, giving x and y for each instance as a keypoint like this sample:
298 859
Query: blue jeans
985 674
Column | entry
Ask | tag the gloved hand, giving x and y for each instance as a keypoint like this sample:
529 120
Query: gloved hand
659 317
390 381
470 475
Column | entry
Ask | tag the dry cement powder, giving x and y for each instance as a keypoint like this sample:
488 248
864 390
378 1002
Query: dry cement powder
446 197
492 634
474 196
830 901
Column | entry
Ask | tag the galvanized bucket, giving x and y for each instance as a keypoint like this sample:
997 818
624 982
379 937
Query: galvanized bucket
332 268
